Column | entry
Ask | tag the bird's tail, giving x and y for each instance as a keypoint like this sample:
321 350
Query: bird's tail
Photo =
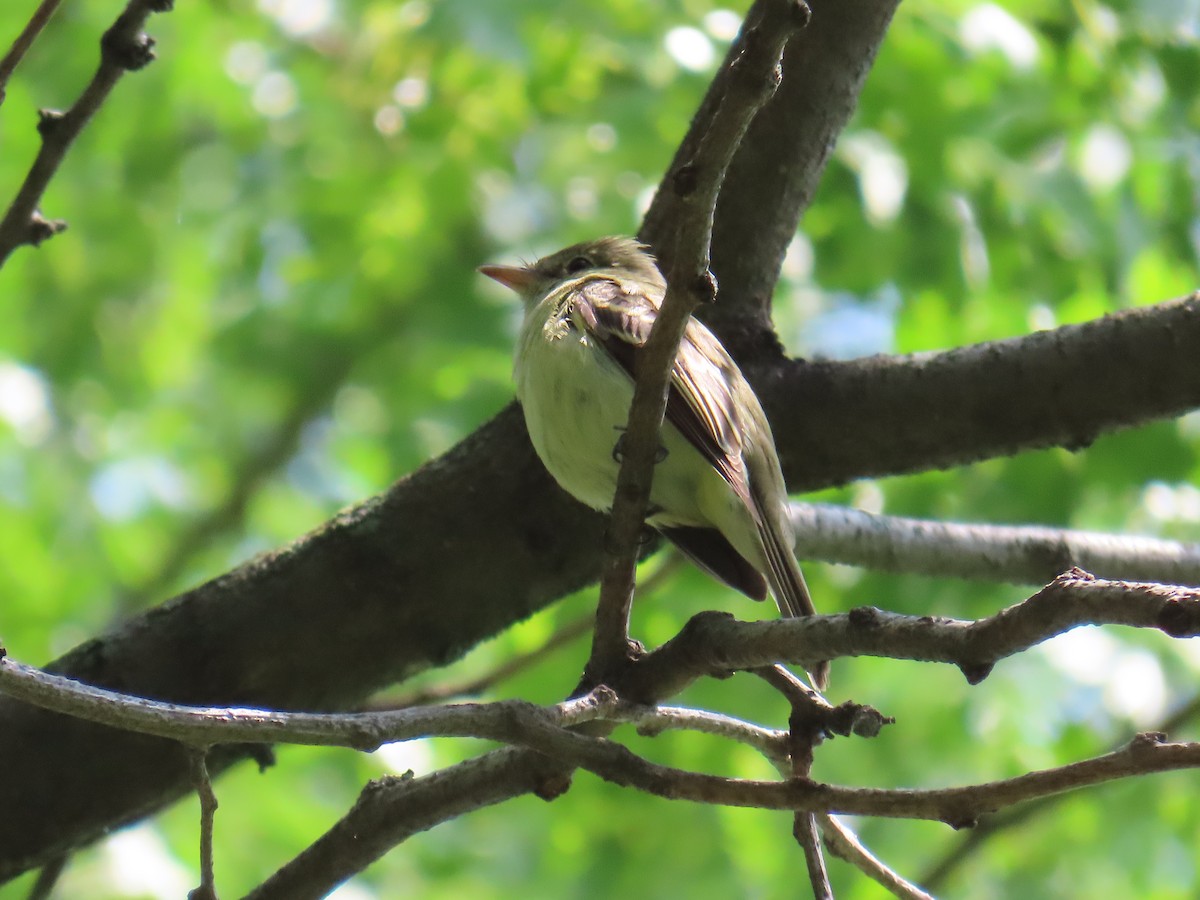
790 590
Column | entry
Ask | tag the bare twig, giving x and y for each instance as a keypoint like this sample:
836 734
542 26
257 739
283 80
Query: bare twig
990 826
208 811
771 743
43 887
696 185
474 687
1020 554
806 729
198 726
441 693
123 48
844 844
716 642
24 41
395 809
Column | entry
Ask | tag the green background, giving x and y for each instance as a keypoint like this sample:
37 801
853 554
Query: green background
266 309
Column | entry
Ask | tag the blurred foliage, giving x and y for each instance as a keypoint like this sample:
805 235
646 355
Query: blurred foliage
266 308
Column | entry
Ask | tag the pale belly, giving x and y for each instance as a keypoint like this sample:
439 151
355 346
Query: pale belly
575 418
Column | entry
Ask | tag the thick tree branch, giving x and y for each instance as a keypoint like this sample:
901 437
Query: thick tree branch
381 591
884 415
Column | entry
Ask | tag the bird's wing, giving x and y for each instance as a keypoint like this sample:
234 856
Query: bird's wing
699 402
699 405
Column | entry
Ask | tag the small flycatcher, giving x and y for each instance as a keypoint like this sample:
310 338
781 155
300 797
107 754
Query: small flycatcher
718 493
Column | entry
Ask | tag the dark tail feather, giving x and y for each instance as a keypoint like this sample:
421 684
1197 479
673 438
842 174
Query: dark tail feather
791 591
709 549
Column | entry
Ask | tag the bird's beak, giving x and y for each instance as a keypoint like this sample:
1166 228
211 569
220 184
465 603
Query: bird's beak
516 277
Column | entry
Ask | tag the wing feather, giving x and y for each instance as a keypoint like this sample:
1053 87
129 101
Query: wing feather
699 403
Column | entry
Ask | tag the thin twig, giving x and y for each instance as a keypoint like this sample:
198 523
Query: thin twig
845 845
123 48
770 742
936 875
806 729
24 41
565 634
696 186
208 812
43 887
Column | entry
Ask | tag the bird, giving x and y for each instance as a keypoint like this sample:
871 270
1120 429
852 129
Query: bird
718 493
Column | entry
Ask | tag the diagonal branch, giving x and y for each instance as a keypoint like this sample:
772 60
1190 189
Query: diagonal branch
753 77
24 41
123 48
844 844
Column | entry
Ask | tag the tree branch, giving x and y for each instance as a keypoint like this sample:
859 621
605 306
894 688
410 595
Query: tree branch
390 811
123 48
752 77
844 844
208 811
24 41
713 643
990 826
1025 554
373 597
885 415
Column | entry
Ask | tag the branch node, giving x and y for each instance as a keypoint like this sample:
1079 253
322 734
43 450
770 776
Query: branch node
48 120
958 823
801 13
1180 619
976 672
553 786
866 721
685 180
1146 741
704 287
864 617
42 229
263 756
130 52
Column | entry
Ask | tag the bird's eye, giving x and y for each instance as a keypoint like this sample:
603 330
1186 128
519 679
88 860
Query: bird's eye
578 264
